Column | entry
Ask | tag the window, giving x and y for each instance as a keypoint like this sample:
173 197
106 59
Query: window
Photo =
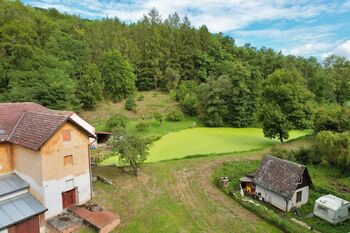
67 160
70 184
322 209
66 135
299 195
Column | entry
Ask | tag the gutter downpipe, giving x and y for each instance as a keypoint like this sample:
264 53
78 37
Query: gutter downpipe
286 204
90 169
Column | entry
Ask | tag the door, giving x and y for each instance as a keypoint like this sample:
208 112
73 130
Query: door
29 226
68 198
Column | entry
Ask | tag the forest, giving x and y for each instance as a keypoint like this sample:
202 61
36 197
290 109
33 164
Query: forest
65 62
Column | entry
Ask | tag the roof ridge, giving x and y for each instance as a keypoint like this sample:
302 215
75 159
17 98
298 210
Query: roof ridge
17 103
45 113
286 161
15 127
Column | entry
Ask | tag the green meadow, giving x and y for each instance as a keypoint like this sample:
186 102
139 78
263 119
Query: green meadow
207 141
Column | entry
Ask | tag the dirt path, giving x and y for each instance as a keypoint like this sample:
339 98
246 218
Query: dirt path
179 196
195 177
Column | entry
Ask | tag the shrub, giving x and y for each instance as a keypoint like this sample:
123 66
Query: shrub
282 153
172 94
186 87
142 126
332 118
174 115
334 148
306 155
117 121
130 104
158 117
189 105
141 98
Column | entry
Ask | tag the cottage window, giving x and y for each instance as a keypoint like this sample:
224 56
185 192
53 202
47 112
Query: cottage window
67 160
299 196
66 135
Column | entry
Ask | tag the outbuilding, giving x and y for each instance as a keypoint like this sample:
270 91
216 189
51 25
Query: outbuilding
332 209
282 183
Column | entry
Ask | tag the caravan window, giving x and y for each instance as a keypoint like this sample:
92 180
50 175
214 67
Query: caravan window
322 209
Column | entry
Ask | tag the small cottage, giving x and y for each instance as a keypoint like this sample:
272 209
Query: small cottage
282 183
332 209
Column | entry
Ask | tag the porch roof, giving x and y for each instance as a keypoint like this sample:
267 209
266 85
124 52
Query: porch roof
11 183
19 208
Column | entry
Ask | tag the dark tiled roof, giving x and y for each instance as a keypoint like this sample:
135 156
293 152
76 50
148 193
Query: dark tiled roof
30 124
279 175
10 114
35 128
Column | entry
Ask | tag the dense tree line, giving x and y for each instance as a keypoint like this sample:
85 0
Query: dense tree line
65 62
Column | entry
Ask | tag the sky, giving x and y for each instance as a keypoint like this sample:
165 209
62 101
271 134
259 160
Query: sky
298 27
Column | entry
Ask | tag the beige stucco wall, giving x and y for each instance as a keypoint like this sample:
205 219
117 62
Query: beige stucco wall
28 162
45 171
6 159
55 149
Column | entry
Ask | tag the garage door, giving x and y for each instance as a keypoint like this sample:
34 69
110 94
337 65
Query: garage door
29 226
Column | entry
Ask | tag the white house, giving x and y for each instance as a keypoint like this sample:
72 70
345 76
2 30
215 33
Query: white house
332 209
282 183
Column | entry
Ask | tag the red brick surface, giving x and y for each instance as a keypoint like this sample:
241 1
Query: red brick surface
104 220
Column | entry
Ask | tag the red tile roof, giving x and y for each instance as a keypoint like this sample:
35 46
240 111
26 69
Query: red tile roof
30 124
10 113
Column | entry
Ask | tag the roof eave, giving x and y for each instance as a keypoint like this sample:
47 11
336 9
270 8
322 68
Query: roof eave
22 220
274 191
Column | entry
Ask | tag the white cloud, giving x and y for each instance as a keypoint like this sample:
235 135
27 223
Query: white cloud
234 17
346 5
342 49
309 49
300 41
218 15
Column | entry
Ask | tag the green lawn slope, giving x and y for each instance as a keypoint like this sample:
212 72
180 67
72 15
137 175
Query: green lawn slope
206 141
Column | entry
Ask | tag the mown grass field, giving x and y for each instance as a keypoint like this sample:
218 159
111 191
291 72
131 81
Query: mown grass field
176 196
179 196
207 141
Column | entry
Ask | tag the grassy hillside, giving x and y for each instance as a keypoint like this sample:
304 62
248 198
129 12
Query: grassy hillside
153 101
